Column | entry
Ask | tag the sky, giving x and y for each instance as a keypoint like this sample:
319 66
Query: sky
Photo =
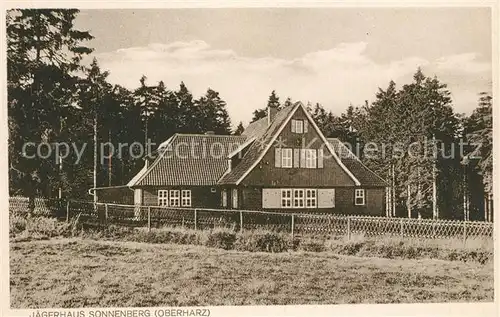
334 56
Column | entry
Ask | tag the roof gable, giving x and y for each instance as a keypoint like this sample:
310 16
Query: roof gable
260 147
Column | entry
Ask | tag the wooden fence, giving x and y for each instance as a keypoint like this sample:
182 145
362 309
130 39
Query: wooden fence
293 223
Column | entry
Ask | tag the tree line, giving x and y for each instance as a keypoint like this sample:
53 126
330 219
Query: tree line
53 97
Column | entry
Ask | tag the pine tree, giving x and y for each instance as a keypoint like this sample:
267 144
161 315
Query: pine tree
273 101
213 115
415 114
43 56
239 129
479 161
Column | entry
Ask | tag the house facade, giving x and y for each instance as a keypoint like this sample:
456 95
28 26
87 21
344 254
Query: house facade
281 162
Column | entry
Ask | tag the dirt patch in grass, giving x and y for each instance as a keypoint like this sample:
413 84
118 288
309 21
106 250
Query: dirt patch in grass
86 273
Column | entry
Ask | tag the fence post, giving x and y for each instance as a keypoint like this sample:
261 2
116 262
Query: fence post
348 228
106 212
293 225
149 218
241 221
465 232
67 211
401 228
195 219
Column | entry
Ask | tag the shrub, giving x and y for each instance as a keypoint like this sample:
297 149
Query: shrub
344 247
168 235
311 245
256 241
221 238
39 227
17 224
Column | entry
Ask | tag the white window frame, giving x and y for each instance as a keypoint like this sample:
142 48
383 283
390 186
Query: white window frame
287 157
298 126
359 194
174 199
286 198
186 198
311 198
310 158
224 198
163 197
299 202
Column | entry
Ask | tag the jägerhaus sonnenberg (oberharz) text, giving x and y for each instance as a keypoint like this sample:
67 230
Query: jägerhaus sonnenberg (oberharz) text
158 312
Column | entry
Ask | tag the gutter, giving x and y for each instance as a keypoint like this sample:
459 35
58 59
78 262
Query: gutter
92 190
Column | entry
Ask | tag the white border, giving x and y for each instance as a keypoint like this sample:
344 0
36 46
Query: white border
437 309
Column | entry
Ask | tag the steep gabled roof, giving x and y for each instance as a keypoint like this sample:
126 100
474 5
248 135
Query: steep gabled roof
365 176
256 128
359 173
258 147
190 159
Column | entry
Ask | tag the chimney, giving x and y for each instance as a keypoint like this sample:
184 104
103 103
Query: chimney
271 113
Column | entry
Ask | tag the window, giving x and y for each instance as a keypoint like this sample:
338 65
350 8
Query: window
286 158
224 198
297 126
163 197
174 198
186 198
311 198
286 198
359 197
310 158
289 198
298 198
234 197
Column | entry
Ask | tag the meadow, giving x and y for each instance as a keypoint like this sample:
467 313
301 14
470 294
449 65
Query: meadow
78 272
60 264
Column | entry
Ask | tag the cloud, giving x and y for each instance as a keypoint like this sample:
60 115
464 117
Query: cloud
336 77
466 63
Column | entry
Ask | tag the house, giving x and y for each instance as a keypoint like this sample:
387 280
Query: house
281 162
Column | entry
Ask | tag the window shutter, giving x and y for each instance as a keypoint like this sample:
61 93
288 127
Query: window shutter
296 157
306 123
271 198
302 158
293 126
234 196
326 197
320 158
277 157
224 197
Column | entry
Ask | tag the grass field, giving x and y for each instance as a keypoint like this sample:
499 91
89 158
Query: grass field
88 273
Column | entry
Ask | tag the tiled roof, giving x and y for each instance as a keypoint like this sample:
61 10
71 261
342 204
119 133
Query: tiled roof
256 128
191 159
363 174
258 147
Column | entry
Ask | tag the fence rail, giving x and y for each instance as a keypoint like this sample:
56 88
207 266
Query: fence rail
293 223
